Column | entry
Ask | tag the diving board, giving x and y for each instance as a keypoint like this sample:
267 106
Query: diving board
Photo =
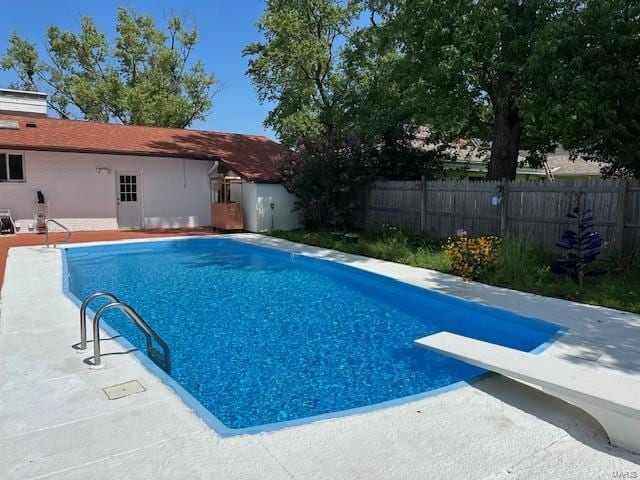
613 401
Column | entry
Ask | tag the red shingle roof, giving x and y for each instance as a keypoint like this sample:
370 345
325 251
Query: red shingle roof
253 157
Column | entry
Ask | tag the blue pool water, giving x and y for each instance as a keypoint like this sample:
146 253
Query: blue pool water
259 336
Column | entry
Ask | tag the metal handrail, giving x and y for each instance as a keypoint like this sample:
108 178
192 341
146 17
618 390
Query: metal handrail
163 362
46 231
83 316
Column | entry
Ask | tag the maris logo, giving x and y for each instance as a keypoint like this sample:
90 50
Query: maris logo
625 475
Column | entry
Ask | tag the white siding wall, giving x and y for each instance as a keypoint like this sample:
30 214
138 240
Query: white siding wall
236 193
175 192
258 198
249 206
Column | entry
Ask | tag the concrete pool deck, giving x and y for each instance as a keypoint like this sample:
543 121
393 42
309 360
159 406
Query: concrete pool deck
56 422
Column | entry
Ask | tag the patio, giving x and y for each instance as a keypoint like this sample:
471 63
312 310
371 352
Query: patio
56 422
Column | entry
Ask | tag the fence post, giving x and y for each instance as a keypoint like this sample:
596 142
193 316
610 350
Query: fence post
367 202
504 206
621 204
423 204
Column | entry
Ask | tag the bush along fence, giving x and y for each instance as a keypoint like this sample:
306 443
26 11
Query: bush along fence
534 210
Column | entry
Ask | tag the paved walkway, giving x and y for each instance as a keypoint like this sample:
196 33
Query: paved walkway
56 422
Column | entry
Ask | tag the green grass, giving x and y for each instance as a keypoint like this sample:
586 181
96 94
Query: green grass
519 266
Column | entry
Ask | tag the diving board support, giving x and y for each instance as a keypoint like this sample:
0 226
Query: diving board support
613 401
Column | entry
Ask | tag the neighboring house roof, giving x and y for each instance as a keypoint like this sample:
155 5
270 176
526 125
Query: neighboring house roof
559 165
253 157
472 156
562 165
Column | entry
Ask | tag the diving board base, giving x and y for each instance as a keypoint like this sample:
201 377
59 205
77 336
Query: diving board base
614 402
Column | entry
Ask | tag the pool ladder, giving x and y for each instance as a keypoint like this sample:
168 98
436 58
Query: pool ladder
162 359
46 231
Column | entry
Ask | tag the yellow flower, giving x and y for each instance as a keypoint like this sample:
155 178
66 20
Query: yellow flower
471 256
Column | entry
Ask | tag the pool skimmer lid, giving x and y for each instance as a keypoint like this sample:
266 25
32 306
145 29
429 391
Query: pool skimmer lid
123 389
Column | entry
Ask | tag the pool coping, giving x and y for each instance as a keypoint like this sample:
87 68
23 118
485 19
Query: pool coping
206 415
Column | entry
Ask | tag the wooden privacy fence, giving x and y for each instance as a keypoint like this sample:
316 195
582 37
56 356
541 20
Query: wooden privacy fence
535 210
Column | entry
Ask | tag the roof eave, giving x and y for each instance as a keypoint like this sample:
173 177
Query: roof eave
212 158
578 174
8 146
274 181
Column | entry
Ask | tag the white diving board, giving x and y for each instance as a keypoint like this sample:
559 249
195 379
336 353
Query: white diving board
613 401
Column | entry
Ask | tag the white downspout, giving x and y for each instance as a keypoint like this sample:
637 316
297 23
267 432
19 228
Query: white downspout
214 167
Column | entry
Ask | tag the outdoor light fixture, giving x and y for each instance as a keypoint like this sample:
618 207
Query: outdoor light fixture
497 198
103 170
273 205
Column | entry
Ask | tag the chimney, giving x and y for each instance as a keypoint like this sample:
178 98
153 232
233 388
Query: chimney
20 102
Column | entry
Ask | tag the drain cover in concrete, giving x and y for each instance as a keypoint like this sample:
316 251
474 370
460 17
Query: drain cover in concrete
583 353
123 389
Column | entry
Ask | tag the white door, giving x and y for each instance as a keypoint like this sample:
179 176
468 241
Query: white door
129 200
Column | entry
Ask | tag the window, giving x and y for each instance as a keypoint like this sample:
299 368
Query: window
11 167
128 188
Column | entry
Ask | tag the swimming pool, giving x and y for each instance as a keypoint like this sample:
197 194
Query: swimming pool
262 338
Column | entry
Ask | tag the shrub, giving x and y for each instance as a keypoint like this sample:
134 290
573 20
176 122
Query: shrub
325 177
471 257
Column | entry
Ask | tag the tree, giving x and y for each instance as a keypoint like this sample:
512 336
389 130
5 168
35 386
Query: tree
325 175
524 75
296 66
588 95
376 108
325 74
374 105
146 77
465 66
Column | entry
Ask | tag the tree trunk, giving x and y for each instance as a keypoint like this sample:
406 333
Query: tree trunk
507 130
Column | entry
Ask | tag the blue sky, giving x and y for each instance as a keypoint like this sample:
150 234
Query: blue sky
225 28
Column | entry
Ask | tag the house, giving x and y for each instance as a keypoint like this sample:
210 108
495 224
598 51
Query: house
98 176
472 156
559 166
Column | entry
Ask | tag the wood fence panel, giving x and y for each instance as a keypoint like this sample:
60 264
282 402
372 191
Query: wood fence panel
538 210
632 217
534 210
453 205
395 203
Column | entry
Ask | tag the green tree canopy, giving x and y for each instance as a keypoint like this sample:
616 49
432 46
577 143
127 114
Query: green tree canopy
145 77
466 67
326 73
522 75
374 103
588 80
297 65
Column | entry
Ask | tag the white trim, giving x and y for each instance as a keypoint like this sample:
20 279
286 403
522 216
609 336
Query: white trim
27 92
140 195
24 167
